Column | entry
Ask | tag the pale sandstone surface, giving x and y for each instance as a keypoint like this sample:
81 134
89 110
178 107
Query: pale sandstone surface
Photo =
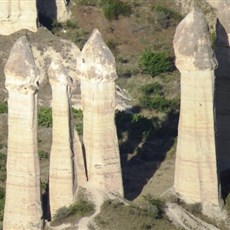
96 69
16 15
62 171
196 177
22 205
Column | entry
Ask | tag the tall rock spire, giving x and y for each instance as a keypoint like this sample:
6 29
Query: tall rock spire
22 205
62 171
97 71
196 177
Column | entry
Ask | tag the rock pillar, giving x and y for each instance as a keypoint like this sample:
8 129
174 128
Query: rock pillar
97 71
22 205
196 177
16 15
61 177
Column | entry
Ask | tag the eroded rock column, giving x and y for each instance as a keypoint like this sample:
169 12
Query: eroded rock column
196 177
97 71
16 15
22 205
61 177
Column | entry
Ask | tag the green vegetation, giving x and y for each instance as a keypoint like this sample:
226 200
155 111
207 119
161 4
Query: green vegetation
155 63
2 167
2 203
80 208
153 97
113 8
78 120
3 107
165 17
45 117
117 215
43 155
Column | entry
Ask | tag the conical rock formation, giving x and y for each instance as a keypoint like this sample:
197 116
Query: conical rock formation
97 71
196 178
62 171
22 205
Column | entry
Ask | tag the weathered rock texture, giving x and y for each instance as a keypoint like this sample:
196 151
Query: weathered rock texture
222 85
62 170
196 178
16 15
53 9
22 205
97 71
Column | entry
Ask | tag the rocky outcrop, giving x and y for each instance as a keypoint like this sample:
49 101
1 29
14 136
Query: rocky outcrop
16 15
22 205
97 71
196 178
62 171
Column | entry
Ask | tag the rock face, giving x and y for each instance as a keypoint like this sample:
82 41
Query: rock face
22 205
16 15
222 86
97 71
62 171
196 178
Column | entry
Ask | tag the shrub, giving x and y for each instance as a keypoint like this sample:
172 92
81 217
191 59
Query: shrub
88 2
78 120
45 117
155 63
82 207
153 97
70 24
3 107
2 168
43 155
2 203
164 16
61 214
113 8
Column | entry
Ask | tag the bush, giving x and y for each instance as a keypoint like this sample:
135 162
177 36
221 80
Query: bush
82 207
165 17
43 155
45 117
78 120
2 203
3 107
153 97
113 8
155 63
70 24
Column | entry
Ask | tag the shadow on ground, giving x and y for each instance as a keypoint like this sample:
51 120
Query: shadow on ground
143 146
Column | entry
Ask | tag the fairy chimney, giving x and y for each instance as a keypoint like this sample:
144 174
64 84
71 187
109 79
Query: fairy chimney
196 178
97 71
22 204
62 171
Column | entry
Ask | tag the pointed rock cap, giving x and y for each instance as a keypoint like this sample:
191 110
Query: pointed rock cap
96 62
192 45
20 70
57 73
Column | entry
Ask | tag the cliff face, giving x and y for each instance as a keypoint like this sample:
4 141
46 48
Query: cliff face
16 15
